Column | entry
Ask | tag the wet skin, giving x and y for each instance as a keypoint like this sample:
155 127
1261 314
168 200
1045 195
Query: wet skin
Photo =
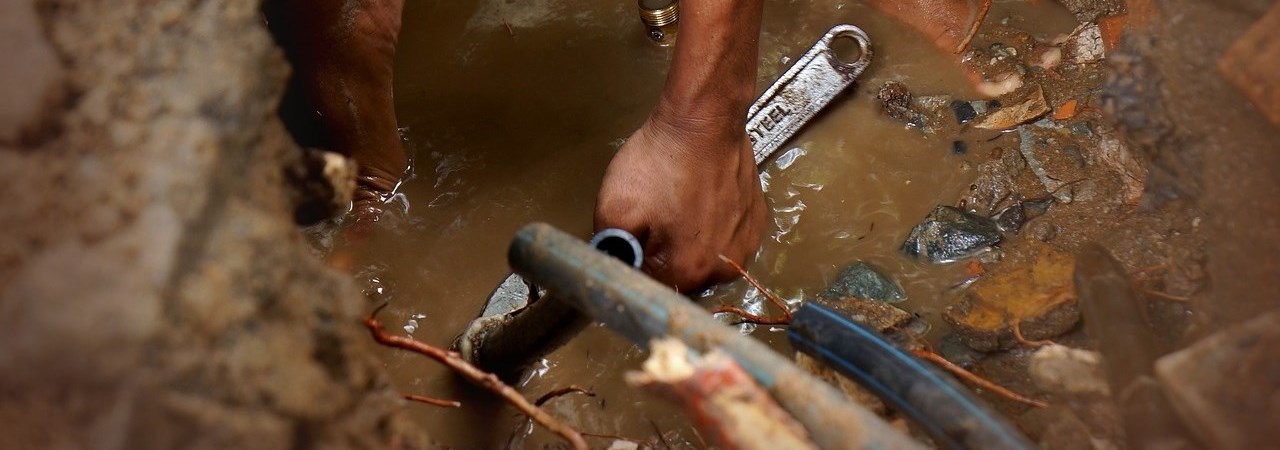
685 182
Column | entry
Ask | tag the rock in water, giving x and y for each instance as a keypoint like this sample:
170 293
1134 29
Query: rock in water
949 234
1032 289
863 280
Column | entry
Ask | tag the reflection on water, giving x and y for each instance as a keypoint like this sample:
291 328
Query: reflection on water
513 110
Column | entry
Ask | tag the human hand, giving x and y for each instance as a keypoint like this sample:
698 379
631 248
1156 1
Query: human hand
689 190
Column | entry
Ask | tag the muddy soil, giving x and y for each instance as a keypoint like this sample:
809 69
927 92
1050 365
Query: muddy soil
154 292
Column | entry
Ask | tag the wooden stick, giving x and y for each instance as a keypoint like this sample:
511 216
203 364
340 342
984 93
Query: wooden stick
777 302
432 401
489 381
981 382
973 28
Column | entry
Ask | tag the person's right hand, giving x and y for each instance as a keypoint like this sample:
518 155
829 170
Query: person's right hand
689 190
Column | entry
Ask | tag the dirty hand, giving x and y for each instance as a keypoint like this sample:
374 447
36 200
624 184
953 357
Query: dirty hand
689 190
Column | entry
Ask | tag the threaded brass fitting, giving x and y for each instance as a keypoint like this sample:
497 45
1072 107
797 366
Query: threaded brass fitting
659 13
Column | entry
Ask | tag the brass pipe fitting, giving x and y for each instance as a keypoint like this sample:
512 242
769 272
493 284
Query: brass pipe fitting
660 18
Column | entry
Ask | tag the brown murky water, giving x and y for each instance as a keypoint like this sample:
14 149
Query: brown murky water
513 110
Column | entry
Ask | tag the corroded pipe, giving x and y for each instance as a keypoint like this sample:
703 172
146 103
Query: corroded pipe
641 309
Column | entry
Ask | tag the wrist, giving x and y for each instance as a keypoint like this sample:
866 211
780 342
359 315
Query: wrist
697 128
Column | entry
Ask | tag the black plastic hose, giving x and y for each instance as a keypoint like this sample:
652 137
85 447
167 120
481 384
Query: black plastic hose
948 412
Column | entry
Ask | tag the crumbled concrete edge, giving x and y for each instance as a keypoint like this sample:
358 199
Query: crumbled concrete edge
1224 386
154 292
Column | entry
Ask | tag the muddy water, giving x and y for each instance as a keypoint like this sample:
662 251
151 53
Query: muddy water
512 111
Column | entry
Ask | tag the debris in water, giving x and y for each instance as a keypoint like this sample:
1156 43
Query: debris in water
1011 219
1066 110
949 234
1064 370
964 111
1032 108
1032 289
896 102
1084 45
1000 85
863 280
432 401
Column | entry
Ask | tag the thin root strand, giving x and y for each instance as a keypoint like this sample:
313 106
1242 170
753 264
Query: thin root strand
489 381
777 302
973 27
432 401
751 318
977 380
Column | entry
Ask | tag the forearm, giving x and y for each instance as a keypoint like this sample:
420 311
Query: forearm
713 71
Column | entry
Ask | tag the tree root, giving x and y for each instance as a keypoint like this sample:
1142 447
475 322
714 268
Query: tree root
973 28
489 381
749 317
570 389
753 318
1023 340
977 380
432 401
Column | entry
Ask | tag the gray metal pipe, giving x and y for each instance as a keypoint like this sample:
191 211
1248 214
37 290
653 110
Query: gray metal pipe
641 309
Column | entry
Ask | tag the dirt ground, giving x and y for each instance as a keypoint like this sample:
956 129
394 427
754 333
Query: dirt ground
155 292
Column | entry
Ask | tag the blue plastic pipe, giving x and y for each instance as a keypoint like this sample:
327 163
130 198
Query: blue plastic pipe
948 412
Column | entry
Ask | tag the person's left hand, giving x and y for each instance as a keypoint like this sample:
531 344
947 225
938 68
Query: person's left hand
689 190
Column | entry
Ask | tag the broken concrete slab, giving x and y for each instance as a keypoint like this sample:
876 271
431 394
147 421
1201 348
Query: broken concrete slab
949 234
1253 62
1225 386
1032 289
863 280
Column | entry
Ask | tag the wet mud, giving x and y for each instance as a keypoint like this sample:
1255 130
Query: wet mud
512 112
155 292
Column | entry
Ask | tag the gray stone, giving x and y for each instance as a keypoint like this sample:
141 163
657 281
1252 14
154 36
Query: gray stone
863 280
949 234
